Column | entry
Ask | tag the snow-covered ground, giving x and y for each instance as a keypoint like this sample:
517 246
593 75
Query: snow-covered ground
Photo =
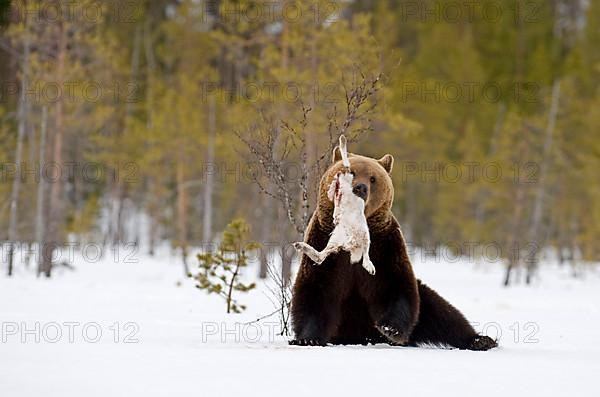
160 336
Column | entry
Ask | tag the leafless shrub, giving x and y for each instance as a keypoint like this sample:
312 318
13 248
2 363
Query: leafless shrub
273 144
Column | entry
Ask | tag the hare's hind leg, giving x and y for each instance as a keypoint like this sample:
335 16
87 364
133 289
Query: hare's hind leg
355 255
307 250
316 256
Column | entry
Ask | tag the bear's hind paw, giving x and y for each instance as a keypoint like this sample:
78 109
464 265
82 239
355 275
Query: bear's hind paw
482 343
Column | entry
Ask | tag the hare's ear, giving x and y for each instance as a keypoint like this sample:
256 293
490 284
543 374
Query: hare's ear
343 144
337 155
332 188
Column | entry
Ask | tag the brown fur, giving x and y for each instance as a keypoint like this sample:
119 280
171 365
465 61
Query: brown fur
340 303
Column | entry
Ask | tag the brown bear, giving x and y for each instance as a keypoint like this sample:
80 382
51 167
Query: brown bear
339 303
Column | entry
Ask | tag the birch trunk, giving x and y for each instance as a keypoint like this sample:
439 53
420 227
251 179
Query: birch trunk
182 211
538 204
515 257
209 186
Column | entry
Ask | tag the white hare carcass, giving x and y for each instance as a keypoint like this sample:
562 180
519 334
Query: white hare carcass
351 232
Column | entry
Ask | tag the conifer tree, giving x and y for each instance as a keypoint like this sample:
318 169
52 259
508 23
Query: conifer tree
220 272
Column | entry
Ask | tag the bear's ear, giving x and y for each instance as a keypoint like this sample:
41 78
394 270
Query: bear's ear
337 155
387 162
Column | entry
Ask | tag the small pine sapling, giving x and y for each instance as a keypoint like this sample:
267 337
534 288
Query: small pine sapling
220 271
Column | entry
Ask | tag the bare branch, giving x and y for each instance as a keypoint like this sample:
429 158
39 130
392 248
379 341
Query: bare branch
274 145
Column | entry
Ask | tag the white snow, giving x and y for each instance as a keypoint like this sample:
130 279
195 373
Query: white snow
186 344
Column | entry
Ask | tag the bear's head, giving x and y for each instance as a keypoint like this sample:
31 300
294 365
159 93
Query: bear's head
372 183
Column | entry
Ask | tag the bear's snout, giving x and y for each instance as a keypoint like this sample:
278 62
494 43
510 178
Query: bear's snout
361 191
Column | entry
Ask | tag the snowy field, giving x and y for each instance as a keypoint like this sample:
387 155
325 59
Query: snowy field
129 329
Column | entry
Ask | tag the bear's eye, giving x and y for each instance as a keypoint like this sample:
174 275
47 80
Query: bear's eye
372 179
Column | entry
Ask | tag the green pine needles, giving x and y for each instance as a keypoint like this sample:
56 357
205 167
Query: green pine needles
220 271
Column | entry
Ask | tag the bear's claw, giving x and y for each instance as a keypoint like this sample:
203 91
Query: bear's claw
394 336
482 343
307 342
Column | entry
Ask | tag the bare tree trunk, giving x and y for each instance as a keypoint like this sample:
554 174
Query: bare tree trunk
209 185
311 149
153 209
135 64
151 65
286 260
266 223
541 186
114 208
119 226
16 187
119 188
514 259
39 218
572 246
56 190
182 211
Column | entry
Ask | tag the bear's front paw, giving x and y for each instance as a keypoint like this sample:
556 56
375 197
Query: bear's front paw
482 343
394 336
369 267
307 342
